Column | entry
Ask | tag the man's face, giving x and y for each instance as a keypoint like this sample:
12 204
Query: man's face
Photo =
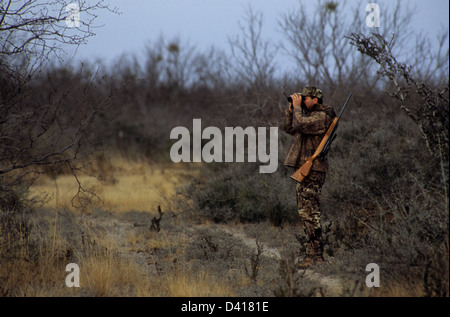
309 102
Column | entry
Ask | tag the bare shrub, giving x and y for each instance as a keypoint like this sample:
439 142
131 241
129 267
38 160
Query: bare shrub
436 275
213 246
323 57
33 32
255 262
431 112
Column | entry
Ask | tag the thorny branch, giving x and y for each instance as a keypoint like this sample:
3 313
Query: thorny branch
32 31
431 113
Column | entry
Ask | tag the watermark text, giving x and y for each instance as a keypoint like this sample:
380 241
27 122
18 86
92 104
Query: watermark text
373 18
233 144
73 19
373 279
73 278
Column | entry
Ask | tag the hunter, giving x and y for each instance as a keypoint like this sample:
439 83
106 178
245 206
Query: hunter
307 120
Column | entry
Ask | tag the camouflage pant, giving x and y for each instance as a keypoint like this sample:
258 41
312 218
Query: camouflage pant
308 202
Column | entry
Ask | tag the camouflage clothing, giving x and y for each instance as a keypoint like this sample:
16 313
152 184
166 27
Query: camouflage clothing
312 91
308 202
308 129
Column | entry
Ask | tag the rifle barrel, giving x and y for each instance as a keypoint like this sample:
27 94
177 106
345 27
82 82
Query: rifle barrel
345 105
332 136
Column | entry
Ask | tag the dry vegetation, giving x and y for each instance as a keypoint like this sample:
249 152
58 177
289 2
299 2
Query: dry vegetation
119 185
121 253
84 167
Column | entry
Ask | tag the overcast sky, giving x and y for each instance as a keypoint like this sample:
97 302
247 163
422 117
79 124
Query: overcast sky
206 23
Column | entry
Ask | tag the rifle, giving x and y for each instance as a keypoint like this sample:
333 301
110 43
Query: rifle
322 149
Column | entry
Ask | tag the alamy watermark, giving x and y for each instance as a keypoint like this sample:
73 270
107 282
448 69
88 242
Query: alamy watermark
212 151
73 278
373 279
73 19
373 18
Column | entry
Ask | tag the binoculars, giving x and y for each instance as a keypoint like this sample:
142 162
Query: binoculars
289 98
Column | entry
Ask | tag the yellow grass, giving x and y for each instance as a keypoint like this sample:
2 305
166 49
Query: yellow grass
186 284
107 274
109 267
124 186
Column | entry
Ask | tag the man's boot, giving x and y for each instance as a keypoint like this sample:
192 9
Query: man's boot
314 250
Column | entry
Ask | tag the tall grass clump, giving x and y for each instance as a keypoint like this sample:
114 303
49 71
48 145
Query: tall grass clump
15 225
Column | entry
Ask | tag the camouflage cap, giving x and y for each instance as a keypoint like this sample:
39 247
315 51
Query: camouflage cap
312 91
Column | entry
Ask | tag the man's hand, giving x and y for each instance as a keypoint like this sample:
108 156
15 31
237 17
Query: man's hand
291 107
296 100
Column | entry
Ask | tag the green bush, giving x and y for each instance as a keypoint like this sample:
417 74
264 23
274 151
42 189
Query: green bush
238 192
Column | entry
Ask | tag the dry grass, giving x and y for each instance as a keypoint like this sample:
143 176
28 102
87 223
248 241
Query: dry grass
133 261
119 255
120 185
109 274
183 283
113 261
406 289
108 266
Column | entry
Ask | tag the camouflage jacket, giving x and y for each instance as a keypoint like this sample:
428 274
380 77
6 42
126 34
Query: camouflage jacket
308 130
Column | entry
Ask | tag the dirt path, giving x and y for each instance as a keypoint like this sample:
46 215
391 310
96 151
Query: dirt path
118 230
251 242
332 285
